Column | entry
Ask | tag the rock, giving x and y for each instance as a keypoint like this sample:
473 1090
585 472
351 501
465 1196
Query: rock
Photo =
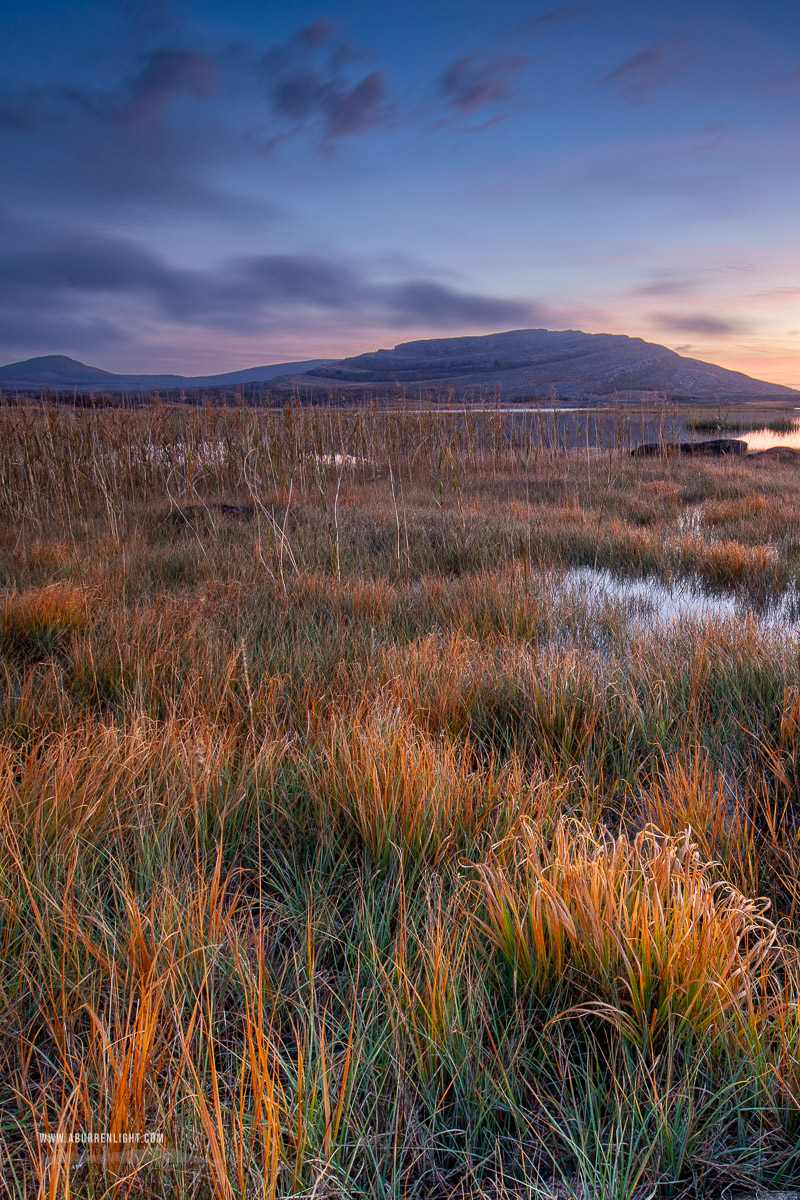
781 454
763 1195
716 447
194 512
651 449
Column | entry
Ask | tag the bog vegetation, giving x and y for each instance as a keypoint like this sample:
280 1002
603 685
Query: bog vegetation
349 848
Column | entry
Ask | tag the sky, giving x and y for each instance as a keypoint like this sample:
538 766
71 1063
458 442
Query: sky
199 187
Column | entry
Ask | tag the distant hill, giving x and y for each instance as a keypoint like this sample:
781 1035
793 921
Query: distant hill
538 362
569 365
59 373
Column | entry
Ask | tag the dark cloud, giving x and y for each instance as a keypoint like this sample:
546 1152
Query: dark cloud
476 81
92 265
316 81
638 78
698 323
300 280
63 287
31 111
155 141
352 110
85 262
164 127
25 331
283 56
165 75
433 304
160 77
173 119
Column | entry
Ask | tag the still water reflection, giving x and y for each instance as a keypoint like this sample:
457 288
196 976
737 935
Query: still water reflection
652 603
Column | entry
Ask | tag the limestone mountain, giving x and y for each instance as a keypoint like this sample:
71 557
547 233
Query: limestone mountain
538 363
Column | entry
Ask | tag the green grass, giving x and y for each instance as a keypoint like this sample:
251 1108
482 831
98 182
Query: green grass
348 848
732 425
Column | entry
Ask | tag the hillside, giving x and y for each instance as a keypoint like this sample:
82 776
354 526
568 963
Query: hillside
57 372
539 362
569 365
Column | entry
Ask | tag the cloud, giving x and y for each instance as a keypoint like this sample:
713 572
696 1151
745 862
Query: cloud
94 265
433 304
85 262
167 74
638 78
659 286
76 283
157 139
160 76
315 81
24 331
355 109
698 323
476 81
298 280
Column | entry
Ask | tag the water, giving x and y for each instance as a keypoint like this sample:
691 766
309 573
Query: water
605 426
652 603
765 439
178 454
564 427
518 410
341 460
215 454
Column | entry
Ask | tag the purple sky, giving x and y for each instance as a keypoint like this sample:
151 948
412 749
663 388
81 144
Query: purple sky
203 187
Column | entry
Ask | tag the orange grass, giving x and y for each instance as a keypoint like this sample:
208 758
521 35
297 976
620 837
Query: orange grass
351 850
637 928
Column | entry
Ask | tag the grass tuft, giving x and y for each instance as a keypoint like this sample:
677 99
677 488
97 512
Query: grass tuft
354 844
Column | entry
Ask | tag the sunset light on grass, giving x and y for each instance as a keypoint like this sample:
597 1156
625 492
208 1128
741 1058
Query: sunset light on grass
400 601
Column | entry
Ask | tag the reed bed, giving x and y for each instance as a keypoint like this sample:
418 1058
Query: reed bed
349 847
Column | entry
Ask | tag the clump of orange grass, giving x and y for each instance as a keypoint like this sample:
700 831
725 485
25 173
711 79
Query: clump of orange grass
404 791
38 620
688 792
399 789
726 564
740 508
49 555
508 699
131 783
638 930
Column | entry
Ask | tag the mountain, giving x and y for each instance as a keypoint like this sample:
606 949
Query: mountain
522 363
538 363
56 372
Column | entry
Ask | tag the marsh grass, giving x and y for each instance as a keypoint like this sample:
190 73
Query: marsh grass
726 424
634 930
38 621
348 846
